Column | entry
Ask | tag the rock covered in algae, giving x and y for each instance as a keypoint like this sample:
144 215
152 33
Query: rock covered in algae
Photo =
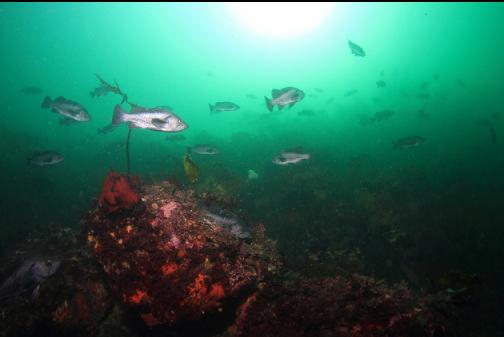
170 264
353 306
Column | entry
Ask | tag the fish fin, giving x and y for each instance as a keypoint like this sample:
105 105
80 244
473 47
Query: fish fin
102 81
137 109
67 121
35 292
269 104
60 99
280 107
125 98
118 116
46 104
165 108
275 93
291 105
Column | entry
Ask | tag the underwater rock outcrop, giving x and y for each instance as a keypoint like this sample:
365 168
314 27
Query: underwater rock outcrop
161 267
169 263
353 306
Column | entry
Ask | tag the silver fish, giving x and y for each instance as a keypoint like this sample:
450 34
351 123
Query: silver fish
67 108
382 115
45 158
223 107
356 49
228 221
293 156
365 120
28 277
204 149
157 119
408 142
381 84
424 85
461 83
284 97
350 92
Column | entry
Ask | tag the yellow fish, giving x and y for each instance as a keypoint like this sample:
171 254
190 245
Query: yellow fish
190 169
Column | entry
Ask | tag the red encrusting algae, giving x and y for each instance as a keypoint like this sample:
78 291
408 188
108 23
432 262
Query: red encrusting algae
117 194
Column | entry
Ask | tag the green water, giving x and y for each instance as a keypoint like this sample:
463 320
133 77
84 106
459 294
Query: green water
445 196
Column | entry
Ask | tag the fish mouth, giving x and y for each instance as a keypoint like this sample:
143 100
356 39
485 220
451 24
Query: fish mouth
178 129
182 126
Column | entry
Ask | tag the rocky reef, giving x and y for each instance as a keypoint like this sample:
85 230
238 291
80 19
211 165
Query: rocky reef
170 263
148 262
352 306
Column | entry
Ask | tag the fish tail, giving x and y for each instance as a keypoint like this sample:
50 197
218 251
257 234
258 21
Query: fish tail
212 108
118 116
46 104
269 104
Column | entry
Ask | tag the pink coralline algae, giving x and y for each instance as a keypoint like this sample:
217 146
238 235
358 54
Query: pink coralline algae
168 208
